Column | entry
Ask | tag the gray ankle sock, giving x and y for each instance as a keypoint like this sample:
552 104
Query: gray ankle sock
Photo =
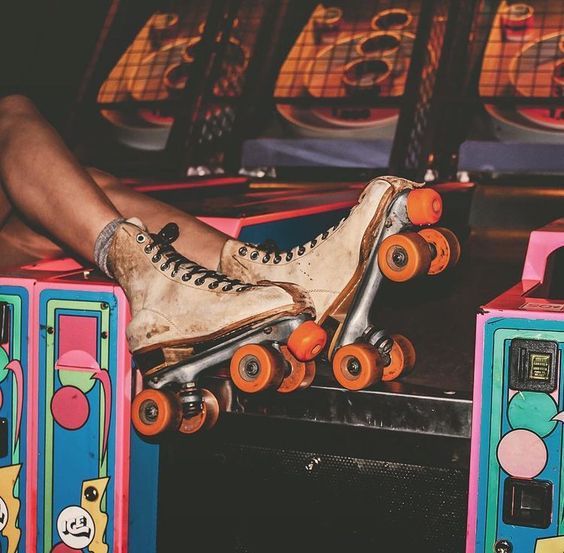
103 243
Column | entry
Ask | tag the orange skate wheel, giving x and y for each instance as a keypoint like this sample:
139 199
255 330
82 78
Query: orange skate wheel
154 411
357 366
301 373
402 257
255 368
424 206
204 420
402 358
307 341
446 248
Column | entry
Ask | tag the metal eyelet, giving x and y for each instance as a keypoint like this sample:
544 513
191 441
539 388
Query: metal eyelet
199 281
266 258
174 273
227 288
313 243
164 266
156 258
324 235
242 289
301 250
148 248
140 238
186 277
289 256
213 285
277 259
254 255
243 251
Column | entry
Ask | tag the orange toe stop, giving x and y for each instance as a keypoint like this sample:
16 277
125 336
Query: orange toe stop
424 206
307 341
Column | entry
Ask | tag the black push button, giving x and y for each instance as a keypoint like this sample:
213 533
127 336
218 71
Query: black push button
3 437
533 365
4 322
527 503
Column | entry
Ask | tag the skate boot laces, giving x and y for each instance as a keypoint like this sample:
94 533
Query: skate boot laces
273 254
161 244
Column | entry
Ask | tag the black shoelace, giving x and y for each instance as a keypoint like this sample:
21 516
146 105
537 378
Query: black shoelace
162 243
271 252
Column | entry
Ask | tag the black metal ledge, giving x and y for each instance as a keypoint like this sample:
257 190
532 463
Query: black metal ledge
394 407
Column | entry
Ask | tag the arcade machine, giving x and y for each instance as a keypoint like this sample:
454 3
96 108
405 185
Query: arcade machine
505 101
266 118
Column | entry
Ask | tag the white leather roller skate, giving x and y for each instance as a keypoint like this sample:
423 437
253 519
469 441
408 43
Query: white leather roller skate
186 319
342 270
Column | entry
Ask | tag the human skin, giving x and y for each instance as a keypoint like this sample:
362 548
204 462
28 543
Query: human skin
50 202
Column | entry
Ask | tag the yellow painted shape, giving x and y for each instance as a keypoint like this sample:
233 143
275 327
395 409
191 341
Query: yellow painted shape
550 545
8 477
94 508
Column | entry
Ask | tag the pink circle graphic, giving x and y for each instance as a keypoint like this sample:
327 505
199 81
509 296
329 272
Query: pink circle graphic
63 548
522 454
70 407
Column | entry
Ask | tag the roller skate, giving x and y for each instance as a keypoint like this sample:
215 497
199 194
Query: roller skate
186 319
343 269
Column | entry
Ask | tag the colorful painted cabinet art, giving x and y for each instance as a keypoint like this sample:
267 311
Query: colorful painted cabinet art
76 476
516 500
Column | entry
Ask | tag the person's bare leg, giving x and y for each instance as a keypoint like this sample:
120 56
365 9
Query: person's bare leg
47 185
197 241
44 181
5 208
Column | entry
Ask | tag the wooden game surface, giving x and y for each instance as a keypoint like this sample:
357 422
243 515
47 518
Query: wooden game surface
523 67
315 65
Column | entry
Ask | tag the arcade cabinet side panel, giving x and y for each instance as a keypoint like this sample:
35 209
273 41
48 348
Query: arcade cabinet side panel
85 446
17 443
516 500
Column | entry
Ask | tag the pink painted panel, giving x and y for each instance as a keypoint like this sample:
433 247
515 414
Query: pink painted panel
227 225
542 243
78 333
475 442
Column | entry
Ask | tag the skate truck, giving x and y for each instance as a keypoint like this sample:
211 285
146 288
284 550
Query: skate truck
361 354
280 354
273 354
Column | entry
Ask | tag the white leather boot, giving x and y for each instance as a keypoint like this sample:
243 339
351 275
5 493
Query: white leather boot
177 306
330 265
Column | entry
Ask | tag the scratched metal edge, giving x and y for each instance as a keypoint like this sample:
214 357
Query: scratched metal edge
395 408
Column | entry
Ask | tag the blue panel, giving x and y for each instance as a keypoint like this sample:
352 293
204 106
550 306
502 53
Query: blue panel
494 394
292 232
316 152
17 454
143 495
75 453
491 156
